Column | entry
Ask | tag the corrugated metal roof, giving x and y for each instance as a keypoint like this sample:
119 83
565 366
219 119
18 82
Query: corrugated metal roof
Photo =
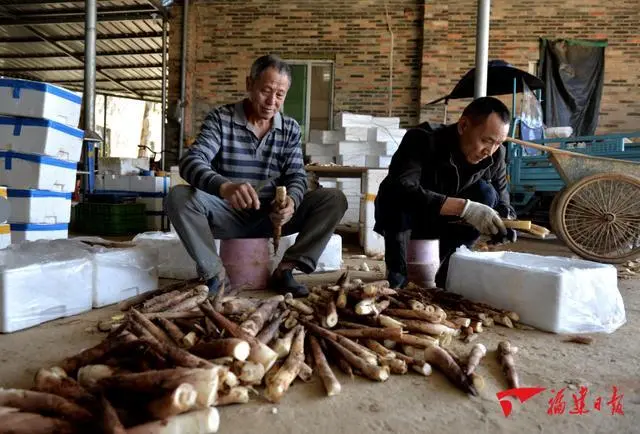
34 36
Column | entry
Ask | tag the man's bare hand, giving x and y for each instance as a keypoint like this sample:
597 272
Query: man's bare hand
240 196
280 216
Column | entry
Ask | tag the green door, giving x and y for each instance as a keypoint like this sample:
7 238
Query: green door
296 102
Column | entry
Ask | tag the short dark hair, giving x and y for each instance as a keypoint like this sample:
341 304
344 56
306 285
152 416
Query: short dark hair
269 61
482 107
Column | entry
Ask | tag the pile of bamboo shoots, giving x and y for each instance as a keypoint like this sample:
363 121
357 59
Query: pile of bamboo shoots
176 354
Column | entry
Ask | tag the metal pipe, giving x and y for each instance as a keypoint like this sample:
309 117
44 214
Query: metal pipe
90 65
104 129
482 48
91 13
164 91
183 75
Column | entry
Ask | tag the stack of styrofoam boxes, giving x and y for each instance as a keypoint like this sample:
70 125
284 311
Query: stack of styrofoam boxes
149 189
358 140
371 242
322 146
5 229
40 147
351 189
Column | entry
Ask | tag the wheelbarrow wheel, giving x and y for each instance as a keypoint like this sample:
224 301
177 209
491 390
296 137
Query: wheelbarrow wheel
553 221
598 217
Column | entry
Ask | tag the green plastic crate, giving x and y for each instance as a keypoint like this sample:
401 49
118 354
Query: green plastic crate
109 218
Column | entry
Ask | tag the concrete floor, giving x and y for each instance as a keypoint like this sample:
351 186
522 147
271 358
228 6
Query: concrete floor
410 403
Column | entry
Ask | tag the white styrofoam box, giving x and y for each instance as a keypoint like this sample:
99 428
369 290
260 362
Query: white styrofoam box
389 148
152 204
328 184
372 179
357 134
173 260
120 269
120 273
349 185
376 161
371 241
149 184
40 284
39 206
353 200
115 182
361 148
330 137
38 172
21 232
367 211
319 150
35 99
351 215
329 260
346 119
382 134
321 159
351 160
40 136
551 293
5 235
389 122
122 166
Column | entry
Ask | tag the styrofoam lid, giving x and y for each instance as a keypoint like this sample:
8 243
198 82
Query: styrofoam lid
18 122
38 253
17 84
530 261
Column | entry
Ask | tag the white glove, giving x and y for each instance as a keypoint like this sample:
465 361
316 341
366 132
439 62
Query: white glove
482 217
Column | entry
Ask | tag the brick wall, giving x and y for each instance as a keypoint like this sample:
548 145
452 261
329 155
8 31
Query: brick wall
434 47
449 48
225 37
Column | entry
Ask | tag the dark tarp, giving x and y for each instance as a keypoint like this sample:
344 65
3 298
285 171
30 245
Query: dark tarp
573 73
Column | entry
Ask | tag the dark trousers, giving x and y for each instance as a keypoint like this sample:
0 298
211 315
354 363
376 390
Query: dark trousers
199 217
451 232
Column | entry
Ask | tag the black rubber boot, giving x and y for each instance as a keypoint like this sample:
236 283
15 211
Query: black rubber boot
283 282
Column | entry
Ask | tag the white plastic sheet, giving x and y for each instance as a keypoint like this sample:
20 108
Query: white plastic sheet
556 294
40 283
120 270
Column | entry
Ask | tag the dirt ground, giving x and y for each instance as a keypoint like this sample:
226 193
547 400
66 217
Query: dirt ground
410 403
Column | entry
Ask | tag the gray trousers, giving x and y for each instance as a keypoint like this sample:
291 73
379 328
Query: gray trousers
199 217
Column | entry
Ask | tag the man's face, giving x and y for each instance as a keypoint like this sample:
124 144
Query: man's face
267 92
482 140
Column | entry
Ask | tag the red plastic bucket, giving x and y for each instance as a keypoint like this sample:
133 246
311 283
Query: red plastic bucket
246 261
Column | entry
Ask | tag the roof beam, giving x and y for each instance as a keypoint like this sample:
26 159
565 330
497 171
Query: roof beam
80 38
79 68
121 80
79 54
120 13
64 49
118 94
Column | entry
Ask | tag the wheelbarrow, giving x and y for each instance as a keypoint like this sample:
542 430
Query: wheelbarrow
597 213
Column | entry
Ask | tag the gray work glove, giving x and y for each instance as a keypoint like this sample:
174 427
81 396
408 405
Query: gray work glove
482 217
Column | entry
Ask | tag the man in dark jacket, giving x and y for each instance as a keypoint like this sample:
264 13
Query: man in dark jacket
447 183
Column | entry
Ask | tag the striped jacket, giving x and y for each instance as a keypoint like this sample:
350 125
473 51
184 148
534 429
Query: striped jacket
227 149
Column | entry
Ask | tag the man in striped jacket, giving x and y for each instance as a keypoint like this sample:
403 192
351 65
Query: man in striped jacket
241 153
